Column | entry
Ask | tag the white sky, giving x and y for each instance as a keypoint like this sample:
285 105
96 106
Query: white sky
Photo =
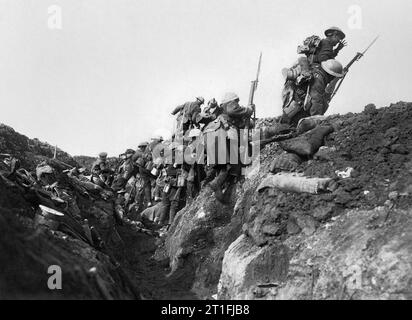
110 77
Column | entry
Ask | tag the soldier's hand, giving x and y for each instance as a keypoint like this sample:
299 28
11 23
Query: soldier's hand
342 44
252 106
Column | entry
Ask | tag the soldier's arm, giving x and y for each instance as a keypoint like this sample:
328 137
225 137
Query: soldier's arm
326 51
205 118
236 111
177 109
196 114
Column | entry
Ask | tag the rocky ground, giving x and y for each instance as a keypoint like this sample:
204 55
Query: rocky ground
29 151
26 253
351 241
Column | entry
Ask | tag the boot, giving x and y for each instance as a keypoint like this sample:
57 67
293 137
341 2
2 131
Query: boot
217 185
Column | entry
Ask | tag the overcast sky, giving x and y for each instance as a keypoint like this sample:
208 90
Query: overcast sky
110 76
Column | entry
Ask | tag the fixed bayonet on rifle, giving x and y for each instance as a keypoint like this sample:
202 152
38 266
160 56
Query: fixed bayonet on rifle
346 69
253 86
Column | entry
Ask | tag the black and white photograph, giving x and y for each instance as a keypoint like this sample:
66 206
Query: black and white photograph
211 156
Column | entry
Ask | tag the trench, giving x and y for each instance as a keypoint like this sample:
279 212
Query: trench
150 274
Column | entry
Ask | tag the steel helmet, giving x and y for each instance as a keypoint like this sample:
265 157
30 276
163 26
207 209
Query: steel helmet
143 144
157 138
201 99
333 67
335 29
212 101
103 155
229 96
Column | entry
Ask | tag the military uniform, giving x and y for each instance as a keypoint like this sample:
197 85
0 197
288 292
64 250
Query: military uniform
143 160
318 99
233 118
101 166
325 51
313 98
210 113
190 114
172 194
316 51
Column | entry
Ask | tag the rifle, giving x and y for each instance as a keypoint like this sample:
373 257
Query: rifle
277 138
253 87
346 69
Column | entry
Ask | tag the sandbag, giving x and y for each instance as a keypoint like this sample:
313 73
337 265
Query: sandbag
307 144
309 123
268 132
285 162
294 182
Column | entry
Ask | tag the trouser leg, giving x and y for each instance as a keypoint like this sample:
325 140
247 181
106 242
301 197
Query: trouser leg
147 191
317 93
164 215
190 191
174 207
139 200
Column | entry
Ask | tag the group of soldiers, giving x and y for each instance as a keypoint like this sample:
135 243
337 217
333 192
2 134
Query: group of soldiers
155 181
151 182
159 178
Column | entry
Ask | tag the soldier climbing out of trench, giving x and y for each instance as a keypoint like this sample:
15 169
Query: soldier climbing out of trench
233 117
312 98
304 90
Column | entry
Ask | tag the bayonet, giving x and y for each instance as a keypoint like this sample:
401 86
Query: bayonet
372 43
254 84
346 69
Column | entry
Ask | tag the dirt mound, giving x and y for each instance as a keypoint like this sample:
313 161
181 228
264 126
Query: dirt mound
350 241
86 272
375 143
27 249
368 159
29 151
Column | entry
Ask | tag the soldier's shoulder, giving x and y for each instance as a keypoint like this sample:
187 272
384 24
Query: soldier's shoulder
325 42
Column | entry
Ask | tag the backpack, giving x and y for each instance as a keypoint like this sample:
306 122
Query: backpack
310 44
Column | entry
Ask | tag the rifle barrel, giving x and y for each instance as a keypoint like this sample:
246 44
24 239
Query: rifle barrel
258 70
356 58
374 40
254 85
